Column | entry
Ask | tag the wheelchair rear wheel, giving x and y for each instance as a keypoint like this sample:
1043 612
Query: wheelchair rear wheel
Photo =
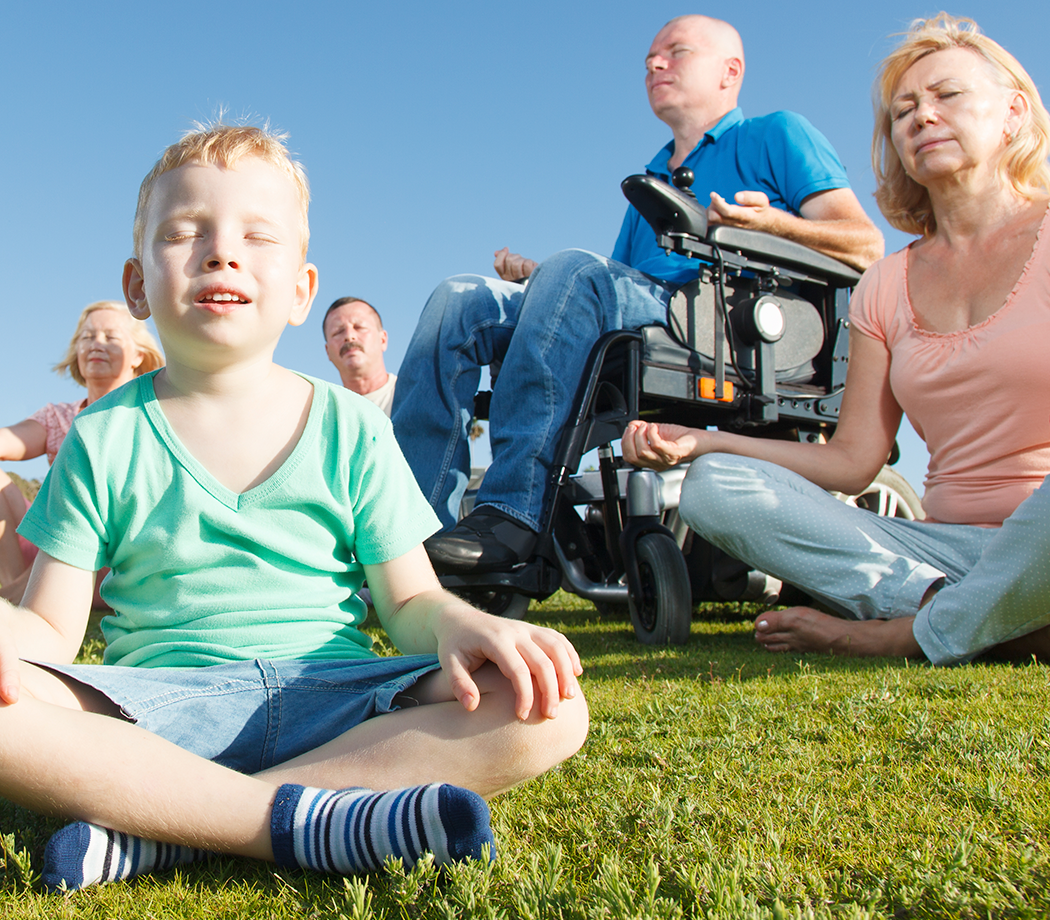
664 612
889 495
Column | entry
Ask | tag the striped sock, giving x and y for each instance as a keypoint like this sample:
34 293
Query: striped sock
83 854
355 830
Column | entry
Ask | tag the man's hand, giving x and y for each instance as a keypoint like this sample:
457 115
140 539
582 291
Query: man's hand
752 211
540 663
661 446
831 222
512 267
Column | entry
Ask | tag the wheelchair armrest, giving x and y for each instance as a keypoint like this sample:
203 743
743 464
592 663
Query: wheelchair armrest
776 249
672 212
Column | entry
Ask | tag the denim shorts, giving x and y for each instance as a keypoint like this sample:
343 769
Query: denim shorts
251 715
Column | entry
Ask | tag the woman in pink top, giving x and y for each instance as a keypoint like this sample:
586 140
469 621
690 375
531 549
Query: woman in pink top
108 349
954 331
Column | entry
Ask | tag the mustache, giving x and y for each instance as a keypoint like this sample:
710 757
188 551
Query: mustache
349 346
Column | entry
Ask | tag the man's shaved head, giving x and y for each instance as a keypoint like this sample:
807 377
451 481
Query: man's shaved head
719 35
694 71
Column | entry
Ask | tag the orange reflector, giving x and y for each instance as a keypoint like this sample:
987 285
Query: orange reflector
706 386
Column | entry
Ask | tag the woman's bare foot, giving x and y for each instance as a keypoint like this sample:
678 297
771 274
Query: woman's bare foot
802 629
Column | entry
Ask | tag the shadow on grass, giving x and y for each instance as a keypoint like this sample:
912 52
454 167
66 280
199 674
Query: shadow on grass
721 647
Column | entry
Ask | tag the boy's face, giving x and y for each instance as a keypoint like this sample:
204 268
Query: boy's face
221 270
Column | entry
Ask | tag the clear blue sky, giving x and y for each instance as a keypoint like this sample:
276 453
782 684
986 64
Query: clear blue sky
433 133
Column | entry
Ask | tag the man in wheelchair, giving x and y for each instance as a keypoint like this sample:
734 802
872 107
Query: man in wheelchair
775 173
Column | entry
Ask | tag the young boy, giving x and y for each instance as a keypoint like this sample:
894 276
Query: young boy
241 507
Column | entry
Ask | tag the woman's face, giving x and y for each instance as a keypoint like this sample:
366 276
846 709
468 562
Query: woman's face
949 115
106 350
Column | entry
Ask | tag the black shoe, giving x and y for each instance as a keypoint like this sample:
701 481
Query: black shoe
486 540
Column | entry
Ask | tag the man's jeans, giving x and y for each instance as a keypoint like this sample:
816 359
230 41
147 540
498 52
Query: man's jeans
542 333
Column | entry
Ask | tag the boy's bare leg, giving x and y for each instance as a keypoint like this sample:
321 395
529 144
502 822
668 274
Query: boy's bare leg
60 755
62 752
487 750
803 629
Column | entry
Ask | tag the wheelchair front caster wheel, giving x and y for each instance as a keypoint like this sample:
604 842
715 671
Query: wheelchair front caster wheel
664 612
507 604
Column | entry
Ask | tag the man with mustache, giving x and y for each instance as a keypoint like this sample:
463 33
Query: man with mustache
775 173
354 340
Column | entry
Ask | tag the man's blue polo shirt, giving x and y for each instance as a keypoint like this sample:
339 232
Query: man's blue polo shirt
780 154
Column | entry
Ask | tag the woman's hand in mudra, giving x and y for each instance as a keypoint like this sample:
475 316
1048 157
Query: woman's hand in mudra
660 446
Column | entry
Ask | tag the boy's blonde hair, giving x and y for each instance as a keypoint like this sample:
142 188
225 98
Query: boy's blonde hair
152 357
226 145
905 203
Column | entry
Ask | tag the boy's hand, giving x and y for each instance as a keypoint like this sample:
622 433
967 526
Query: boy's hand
540 663
10 670
422 618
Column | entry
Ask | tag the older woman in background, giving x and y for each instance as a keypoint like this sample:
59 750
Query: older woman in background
954 330
108 349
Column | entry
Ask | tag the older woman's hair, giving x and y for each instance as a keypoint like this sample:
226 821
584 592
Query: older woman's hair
905 203
152 357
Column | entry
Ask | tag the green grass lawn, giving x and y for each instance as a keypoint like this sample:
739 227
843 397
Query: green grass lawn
718 781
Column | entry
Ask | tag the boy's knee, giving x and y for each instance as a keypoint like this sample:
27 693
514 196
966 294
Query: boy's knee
573 723
541 743
564 735
453 294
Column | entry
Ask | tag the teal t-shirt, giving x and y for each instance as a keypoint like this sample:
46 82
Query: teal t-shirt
202 575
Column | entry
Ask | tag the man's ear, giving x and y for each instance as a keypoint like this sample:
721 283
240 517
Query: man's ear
733 72
135 289
305 292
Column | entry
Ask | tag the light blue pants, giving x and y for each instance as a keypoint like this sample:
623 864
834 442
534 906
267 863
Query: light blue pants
996 581
543 334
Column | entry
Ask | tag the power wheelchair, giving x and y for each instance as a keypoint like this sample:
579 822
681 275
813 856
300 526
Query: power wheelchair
757 344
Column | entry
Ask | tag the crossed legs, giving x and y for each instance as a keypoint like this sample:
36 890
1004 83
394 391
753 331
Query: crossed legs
908 588
63 750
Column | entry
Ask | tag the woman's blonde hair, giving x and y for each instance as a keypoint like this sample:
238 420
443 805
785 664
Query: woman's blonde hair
152 357
905 203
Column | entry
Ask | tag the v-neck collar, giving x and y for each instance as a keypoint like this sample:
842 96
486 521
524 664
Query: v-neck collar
237 501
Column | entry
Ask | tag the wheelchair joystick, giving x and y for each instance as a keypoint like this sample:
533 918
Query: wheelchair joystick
683 179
